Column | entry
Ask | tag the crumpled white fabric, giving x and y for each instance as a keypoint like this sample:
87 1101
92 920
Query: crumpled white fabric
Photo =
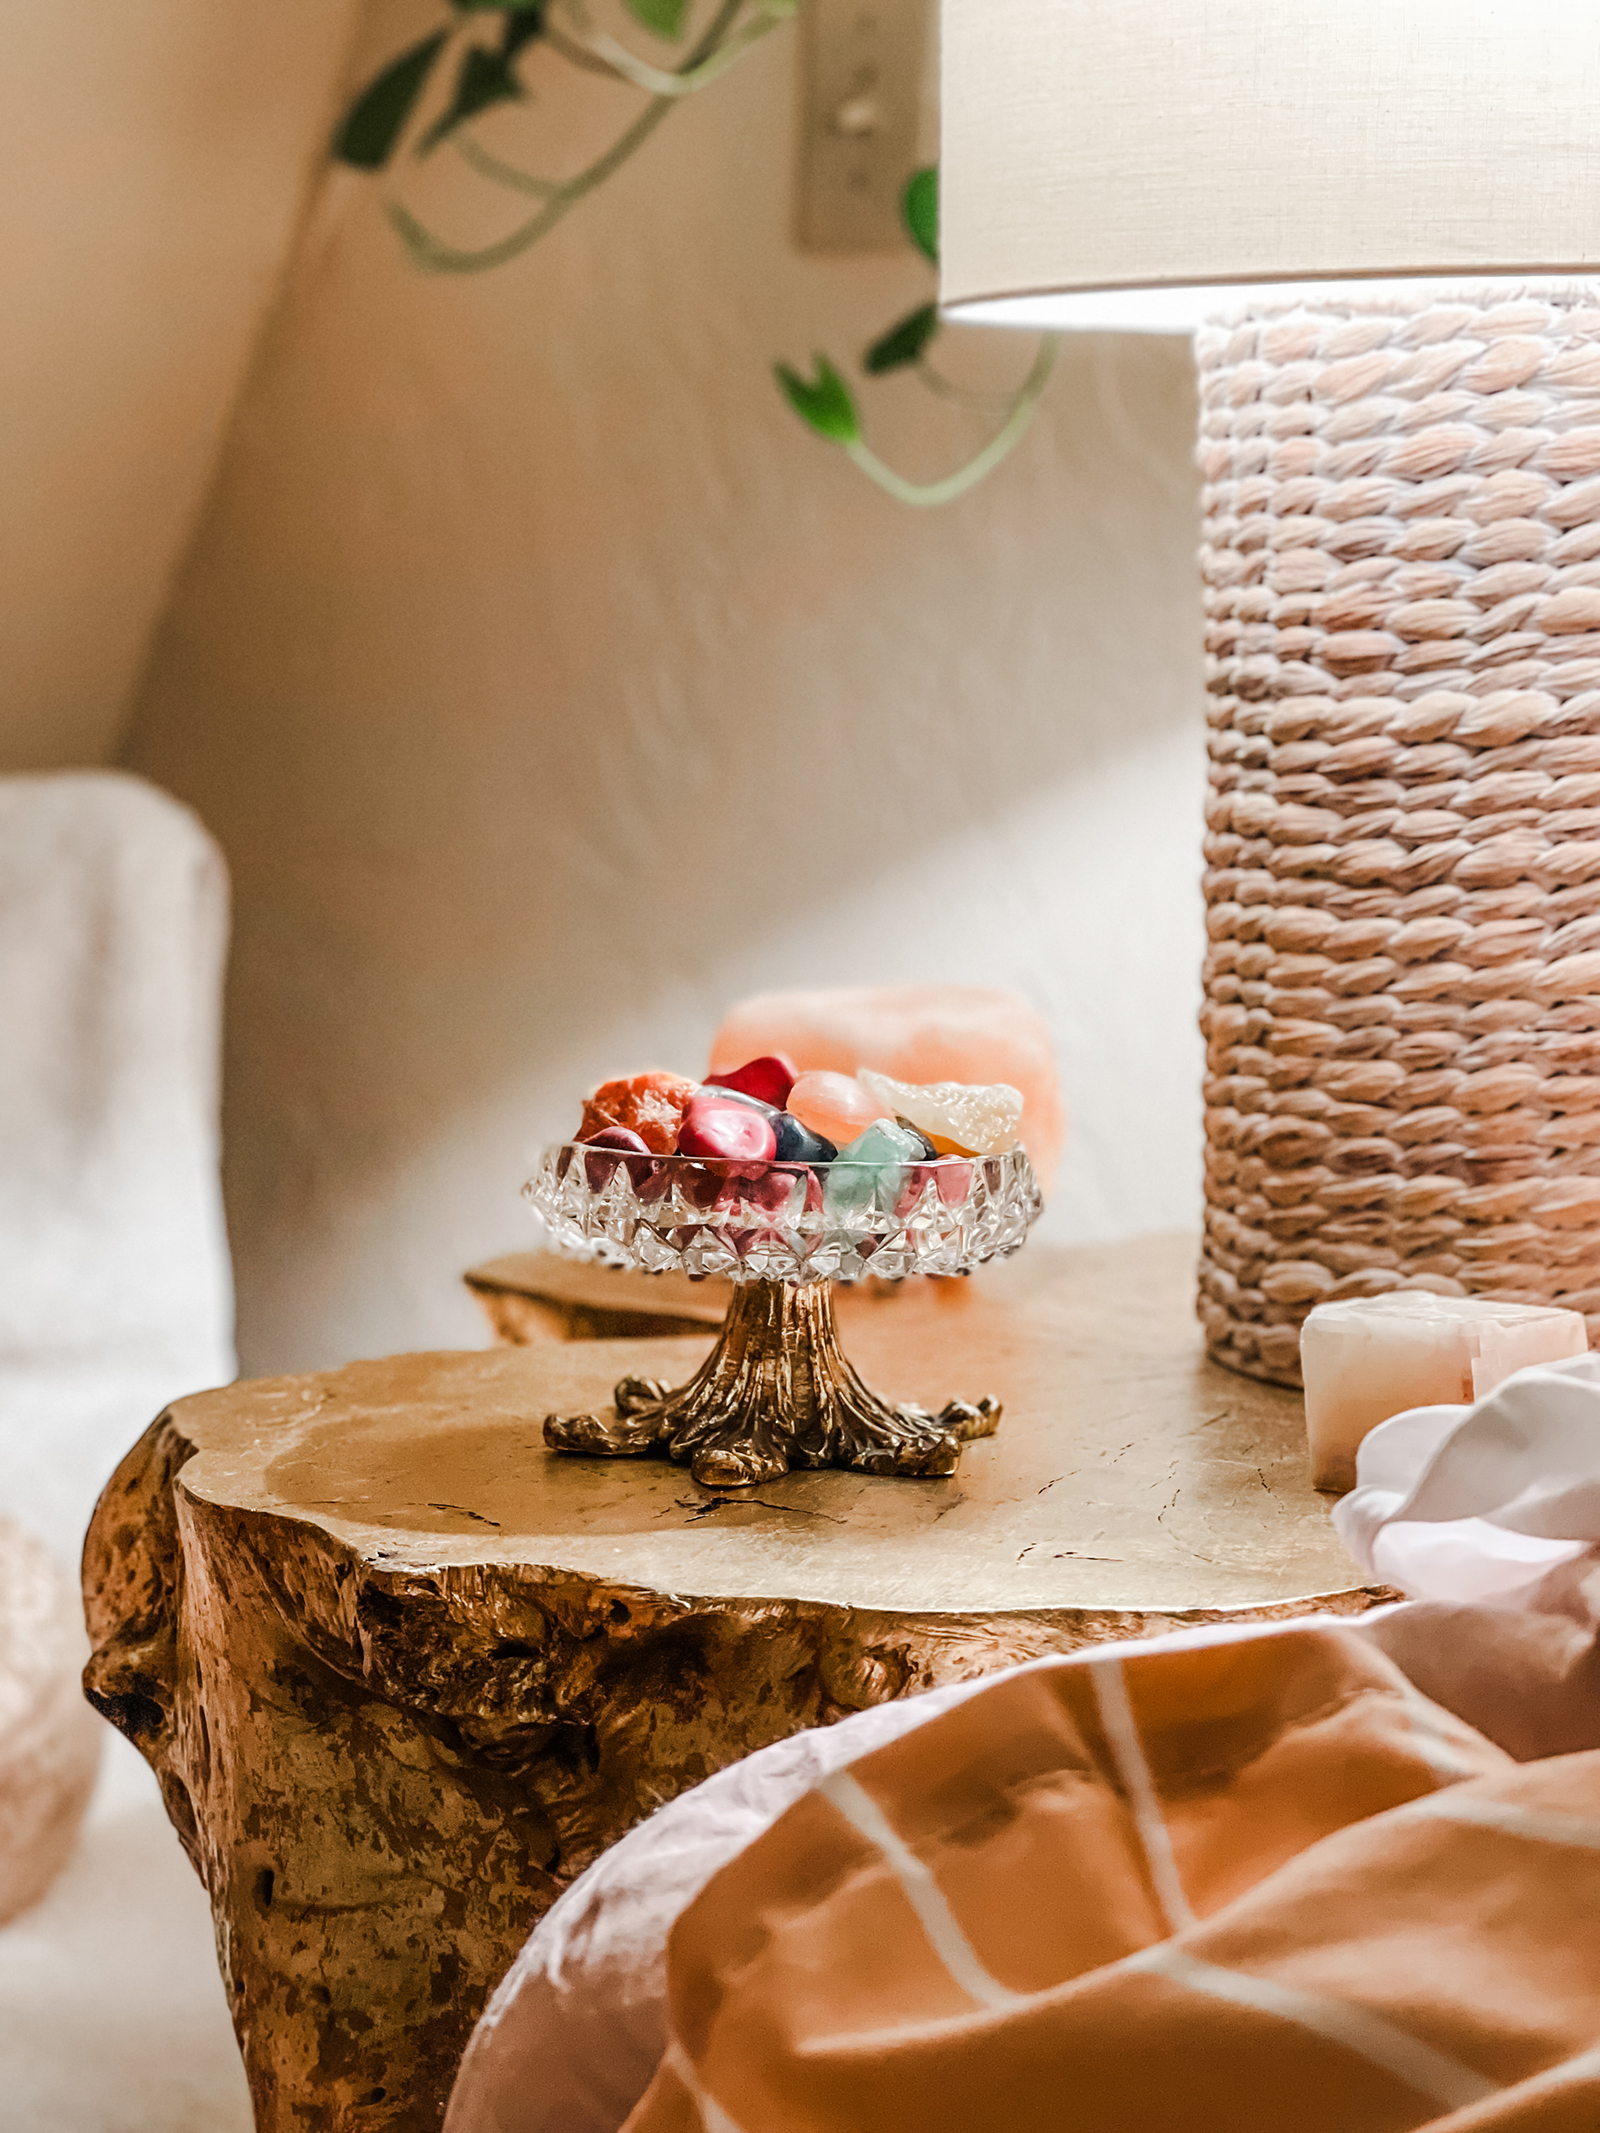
1480 1503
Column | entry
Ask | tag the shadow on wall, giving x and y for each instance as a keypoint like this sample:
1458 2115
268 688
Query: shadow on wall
162 153
548 686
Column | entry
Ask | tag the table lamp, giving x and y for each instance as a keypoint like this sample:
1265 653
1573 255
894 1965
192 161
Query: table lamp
1376 219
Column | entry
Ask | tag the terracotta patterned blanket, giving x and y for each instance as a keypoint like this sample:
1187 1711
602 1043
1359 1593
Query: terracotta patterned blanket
1261 1886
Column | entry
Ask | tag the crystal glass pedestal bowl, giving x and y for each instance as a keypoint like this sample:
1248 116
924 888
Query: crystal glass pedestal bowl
777 1391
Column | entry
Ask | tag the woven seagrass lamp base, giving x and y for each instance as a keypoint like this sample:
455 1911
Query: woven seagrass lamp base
1402 988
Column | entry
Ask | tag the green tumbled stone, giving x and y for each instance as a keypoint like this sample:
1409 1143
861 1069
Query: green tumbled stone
869 1170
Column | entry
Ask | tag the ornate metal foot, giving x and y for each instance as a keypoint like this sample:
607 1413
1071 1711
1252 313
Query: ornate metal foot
776 1392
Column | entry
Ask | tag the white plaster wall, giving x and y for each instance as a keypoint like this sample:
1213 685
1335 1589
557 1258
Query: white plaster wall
548 687
153 155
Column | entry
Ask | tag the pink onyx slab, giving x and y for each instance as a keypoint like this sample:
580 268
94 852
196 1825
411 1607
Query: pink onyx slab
1376 1356
915 1033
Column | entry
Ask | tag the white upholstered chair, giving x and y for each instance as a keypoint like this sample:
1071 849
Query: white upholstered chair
115 1296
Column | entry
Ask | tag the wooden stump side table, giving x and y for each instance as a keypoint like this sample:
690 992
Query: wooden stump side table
403 1673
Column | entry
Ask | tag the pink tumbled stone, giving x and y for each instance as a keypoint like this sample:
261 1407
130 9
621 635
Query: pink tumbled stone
731 1130
916 1033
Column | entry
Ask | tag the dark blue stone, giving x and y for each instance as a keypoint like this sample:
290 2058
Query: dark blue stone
930 1154
797 1143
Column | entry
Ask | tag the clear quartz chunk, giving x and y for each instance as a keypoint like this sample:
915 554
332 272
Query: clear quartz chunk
984 1118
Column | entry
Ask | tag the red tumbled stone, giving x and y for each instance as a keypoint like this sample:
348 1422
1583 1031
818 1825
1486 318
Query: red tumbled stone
769 1079
620 1142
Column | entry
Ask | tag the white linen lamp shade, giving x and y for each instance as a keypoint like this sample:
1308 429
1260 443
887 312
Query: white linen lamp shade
1143 163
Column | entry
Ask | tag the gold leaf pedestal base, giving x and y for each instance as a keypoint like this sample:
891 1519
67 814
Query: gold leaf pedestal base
776 1392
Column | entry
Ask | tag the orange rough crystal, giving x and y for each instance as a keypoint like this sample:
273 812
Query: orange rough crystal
651 1105
917 1033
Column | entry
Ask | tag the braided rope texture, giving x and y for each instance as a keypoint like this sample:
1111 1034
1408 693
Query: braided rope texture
1402 985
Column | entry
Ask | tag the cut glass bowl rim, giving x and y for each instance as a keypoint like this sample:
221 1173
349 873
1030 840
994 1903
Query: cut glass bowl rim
879 1232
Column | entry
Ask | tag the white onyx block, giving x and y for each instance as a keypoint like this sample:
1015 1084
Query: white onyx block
1375 1356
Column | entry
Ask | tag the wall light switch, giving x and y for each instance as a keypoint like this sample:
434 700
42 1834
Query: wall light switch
862 74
